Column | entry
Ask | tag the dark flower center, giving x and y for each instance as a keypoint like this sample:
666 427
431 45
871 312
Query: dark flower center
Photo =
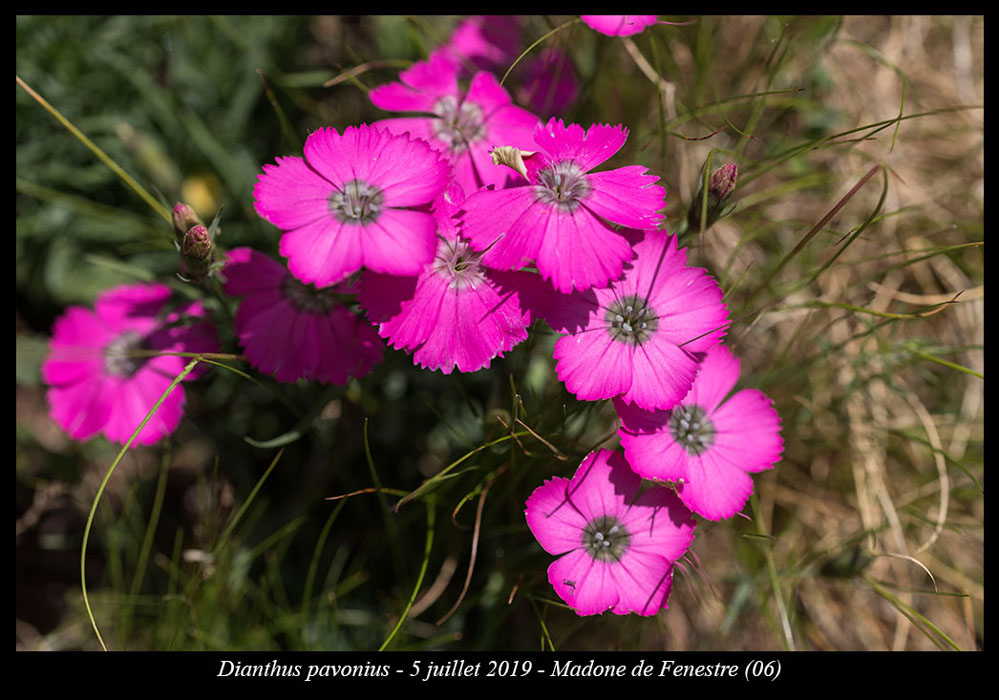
631 320
458 125
690 427
306 298
606 539
458 262
357 203
118 359
562 184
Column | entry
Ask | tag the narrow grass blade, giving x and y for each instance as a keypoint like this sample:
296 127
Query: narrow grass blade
128 179
107 477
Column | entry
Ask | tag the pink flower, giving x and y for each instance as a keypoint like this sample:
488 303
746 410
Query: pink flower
619 25
550 84
639 338
465 126
342 206
562 219
99 383
492 43
618 546
295 330
488 42
456 313
706 445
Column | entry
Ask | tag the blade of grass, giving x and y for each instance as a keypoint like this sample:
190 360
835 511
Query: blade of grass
390 525
104 158
249 499
107 477
788 638
431 514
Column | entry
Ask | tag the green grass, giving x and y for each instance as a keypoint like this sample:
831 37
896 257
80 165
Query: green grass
853 265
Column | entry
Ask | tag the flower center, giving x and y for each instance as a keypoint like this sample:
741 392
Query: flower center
458 262
691 428
631 320
457 125
357 203
562 184
306 298
606 539
118 359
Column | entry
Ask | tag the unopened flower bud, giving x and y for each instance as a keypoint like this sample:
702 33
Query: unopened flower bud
721 184
197 252
184 218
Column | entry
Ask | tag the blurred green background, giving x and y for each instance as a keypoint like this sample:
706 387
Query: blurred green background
882 400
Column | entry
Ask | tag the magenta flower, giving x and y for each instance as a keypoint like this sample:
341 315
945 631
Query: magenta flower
639 338
100 379
294 330
342 207
456 313
706 445
488 42
550 84
619 25
563 218
464 126
618 546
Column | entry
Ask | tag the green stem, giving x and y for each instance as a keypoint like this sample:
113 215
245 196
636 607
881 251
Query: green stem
128 179
100 491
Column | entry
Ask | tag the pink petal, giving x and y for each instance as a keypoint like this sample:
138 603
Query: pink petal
131 305
416 127
578 251
554 521
504 222
586 149
659 524
626 196
715 487
643 581
648 445
324 252
619 25
342 158
399 242
586 585
249 271
593 365
81 409
134 398
407 170
661 374
748 431
77 347
716 377
396 97
291 194
382 295
437 75
486 92
603 485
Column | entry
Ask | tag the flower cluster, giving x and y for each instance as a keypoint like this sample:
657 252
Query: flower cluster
446 232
